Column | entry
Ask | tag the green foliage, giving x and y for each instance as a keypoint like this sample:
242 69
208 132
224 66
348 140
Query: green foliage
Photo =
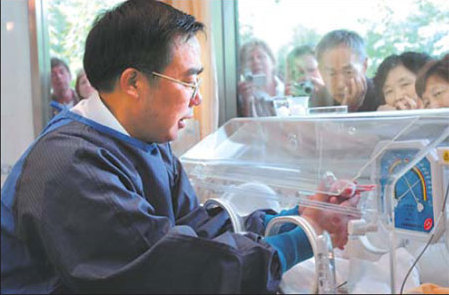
69 23
246 34
301 36
423 30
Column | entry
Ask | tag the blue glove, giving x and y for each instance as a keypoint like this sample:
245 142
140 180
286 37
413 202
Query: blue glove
285 227
292 247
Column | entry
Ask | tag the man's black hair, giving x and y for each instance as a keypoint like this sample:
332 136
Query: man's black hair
56 62
336 38
137 34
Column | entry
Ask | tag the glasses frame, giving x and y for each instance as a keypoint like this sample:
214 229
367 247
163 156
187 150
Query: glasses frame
195 86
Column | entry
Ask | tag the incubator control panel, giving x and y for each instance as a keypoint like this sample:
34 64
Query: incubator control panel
416 196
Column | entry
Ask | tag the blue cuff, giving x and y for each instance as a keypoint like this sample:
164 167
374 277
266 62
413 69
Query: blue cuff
292 211
292 247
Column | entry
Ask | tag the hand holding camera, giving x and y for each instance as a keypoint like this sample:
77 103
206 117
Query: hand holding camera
303 88
258 80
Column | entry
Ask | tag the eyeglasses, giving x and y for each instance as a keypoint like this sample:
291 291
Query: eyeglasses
195 86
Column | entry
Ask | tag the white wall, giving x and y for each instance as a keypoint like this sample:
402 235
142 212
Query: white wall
16 102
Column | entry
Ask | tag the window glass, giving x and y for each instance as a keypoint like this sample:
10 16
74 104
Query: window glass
386 27
69 22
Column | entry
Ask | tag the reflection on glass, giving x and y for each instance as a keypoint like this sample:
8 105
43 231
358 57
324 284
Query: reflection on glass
291 106
298 105
281 107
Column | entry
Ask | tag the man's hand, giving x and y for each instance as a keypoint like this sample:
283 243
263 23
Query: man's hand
246 96
355 92
288 88
246 89
318 84
336 224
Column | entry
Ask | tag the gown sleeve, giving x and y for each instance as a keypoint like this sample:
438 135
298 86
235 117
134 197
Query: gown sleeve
103 235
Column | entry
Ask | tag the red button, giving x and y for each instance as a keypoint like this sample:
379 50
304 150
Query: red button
428 224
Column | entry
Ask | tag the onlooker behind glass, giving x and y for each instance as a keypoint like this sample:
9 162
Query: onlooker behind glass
302 76
62 95
432 84
258 82
395 81
342 62
82 85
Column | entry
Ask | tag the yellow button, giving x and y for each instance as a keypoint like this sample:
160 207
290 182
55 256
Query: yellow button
446 156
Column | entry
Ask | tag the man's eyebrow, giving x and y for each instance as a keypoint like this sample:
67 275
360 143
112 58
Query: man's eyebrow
194 71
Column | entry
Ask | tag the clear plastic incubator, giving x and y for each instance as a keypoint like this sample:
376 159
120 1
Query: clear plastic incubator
399 232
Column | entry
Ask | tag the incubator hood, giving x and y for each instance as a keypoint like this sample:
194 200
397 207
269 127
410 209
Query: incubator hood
288 157
277 163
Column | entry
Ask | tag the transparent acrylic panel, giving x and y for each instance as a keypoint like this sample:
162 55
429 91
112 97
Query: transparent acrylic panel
295 153
276 163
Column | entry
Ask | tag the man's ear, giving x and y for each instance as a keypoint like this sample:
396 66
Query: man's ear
129 81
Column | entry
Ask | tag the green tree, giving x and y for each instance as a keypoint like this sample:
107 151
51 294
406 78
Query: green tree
301 36
246 34
69 23
424 30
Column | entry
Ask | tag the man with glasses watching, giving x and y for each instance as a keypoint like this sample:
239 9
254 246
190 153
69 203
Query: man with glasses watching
98 203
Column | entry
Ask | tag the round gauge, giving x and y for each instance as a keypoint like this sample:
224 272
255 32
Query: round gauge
413 204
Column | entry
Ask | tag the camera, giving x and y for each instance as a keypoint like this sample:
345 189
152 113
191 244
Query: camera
257 79
304 88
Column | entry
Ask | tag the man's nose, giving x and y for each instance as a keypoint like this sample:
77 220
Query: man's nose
340 82
196 100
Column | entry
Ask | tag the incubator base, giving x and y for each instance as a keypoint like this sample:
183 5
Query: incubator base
373 276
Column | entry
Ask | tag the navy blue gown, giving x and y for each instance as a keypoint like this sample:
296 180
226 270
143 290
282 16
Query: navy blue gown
90 210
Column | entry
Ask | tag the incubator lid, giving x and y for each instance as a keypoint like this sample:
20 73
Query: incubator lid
296 152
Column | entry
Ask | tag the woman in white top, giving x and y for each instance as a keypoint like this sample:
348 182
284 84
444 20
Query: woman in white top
259 83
